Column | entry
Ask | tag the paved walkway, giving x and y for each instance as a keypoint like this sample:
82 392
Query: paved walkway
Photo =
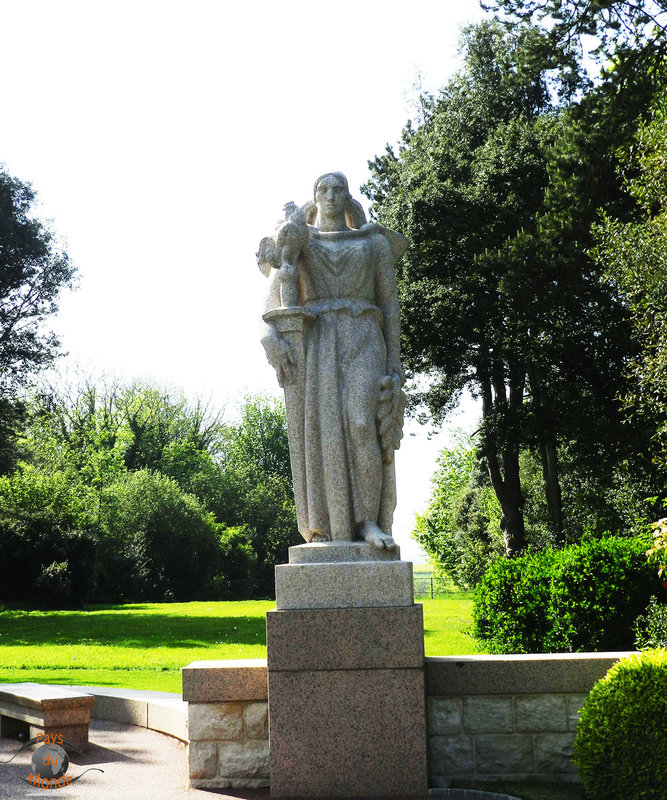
138 764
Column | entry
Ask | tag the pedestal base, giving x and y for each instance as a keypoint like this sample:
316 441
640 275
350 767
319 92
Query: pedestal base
351 733
346 702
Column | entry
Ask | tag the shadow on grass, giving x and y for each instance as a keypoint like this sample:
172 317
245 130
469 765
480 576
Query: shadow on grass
131 630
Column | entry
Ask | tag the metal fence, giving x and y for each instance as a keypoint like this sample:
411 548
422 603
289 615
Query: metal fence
425 585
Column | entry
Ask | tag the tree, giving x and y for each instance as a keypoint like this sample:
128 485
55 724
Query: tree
466 187
235 476
34 268
256 485
497 190
460 529
635 255
166 545
612 21
96 430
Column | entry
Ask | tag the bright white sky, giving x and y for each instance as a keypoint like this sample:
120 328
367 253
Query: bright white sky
163 139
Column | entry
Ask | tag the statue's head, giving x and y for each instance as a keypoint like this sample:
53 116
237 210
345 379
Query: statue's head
331 194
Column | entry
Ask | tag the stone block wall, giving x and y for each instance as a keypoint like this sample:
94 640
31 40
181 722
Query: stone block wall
228 724
493 717
524 735
488 717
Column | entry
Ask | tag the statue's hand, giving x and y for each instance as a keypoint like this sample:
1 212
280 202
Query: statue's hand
280 357
395 367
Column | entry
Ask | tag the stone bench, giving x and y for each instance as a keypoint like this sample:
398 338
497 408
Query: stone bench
31 709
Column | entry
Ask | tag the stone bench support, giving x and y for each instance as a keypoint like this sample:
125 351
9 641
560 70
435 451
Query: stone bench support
33 709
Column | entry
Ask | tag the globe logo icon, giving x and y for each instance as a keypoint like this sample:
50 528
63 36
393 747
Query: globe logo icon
49 761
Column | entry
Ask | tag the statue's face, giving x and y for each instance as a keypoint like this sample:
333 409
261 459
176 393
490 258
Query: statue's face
331 196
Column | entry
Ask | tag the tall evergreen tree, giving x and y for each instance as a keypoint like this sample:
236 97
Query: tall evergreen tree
497 194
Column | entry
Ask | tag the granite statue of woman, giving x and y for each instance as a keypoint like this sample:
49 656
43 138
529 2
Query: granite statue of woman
332 333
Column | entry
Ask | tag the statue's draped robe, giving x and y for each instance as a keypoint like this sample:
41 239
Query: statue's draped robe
346 358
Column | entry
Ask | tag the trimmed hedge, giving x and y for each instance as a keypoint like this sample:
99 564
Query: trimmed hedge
621 747
583 598
512 607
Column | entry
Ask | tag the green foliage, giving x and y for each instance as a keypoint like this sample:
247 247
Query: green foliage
597 592
635 255
240 566
53 586
621 749
255 488
96 432
512 611
651 626
34 268
160 544
497 189
46 535
172 502
657 553
583 598
460 529
614 22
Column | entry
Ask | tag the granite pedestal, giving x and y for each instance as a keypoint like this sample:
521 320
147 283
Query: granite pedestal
346 675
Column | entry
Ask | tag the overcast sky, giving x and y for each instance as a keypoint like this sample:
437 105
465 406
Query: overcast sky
163 139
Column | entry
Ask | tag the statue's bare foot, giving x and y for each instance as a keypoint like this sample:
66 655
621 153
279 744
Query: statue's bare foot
373 534
320 537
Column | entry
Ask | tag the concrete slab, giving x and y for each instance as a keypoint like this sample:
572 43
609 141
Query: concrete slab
138 764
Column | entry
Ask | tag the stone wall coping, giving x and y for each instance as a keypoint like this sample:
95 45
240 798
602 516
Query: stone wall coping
541 673
225 681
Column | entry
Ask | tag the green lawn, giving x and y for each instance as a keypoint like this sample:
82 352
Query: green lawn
144 646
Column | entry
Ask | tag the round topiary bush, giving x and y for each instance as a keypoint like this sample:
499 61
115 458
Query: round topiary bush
621 746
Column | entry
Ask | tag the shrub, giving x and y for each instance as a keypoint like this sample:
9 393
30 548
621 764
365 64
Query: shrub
621 747
161 543
651 627
585 597
512 604
598 591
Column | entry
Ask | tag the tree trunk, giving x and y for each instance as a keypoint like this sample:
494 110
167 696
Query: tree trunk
548 456
549 453
506 482
507 486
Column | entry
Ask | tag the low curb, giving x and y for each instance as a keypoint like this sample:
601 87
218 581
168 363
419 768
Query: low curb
164 712
469 794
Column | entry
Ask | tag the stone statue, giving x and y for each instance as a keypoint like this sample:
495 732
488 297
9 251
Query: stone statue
332 333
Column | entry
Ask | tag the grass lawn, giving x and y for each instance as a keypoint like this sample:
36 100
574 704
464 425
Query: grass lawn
144 646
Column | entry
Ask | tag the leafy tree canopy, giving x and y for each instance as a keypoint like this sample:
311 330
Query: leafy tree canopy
634 253
34 268
497 190
614 22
